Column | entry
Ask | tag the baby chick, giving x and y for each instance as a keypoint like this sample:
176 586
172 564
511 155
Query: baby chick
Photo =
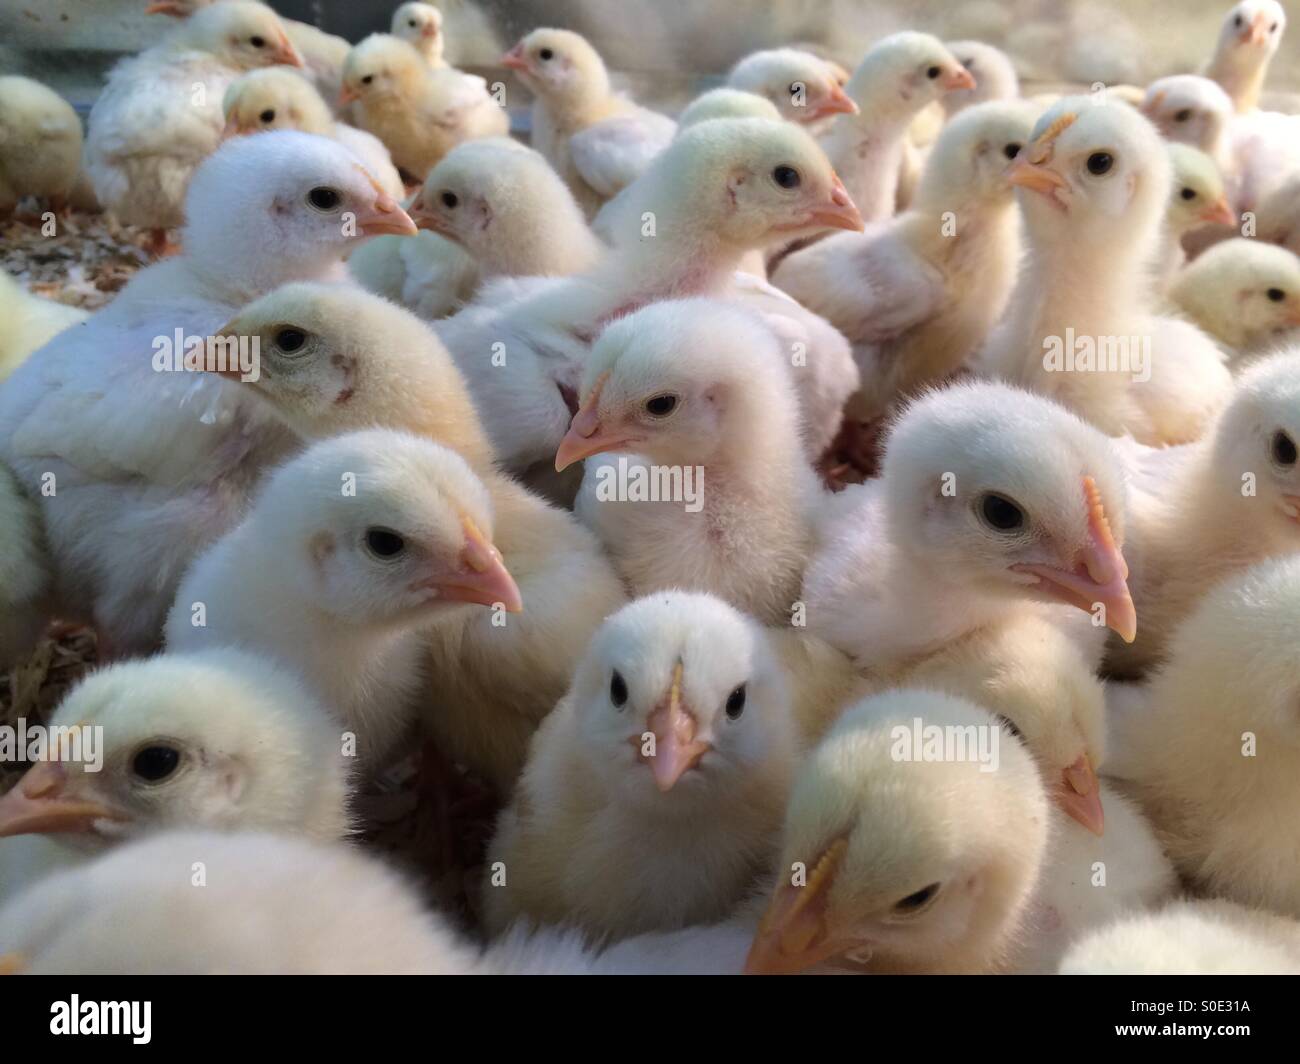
597 140
40 145
420 25
1093 187
150 462
1213 756
221 739
24 572
1197 200
917 295
654 788
695 390
801 86
419 112
993 71
1248 40
346 553
1244 293
27 322
895 865
159 115
1193 110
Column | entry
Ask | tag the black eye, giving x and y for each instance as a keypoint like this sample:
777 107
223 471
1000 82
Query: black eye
1001 514
367 79
384 542
1183 115
914 903
1238 21
736 703
661 405
412 23
324 199
933 73
786 176
267 116
1273 28
1100 162
617 690
1276 295
449 200
290 340
545 54
1188 193
1283 448
256 42
1011 151
154 763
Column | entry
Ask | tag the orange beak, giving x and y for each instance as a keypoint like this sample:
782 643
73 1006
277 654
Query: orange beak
1256 32
676 749
285 53
838 212
429 31
793 935
1218 213
166 7
347 95
1037 178
586 436
1079 795
961 78
514 59
837 103
385 215
432 222
1101 576
482 579
38 805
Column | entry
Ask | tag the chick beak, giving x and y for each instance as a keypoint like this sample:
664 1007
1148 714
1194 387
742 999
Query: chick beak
385 215
482 578
586 435
961 78
286 54
165 7
232 128
793 935
1291 507
514 59
348 94
1036 177
673 725
1079 795
1218 213
1099 578
432 222
429 31
1292 316
837 103
1256 32
40 803
839 212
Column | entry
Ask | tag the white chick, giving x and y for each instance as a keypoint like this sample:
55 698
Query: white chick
918 294
597 140
159 115
420 25
1244 293
1197 199
221 740
40 145
894 865
27 322
688 398
1190 938
654 789
281 98
1249 38
800 85
151 462
1213 756
1192 110
420 113
353 361
897 78
721 189
24 573
989 497
1093 187
726 103
993 71
1207 511
348 551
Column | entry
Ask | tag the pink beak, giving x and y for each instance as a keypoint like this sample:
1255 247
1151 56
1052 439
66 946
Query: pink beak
385 215
37 805
482 578
961 78
838 102
1080 795
676 749
514 59
586 436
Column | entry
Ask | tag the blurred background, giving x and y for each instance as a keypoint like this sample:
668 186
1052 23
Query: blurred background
667 49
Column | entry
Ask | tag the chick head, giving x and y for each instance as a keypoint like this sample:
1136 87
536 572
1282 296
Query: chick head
1251 32
1012 496
676 381
1188 109
244 34
994 74
275 98
1245 292
383 528
678 694
801 86
220 739
559 65
970 156
726 103
420 25
909 68
890 864
381 68
1197 198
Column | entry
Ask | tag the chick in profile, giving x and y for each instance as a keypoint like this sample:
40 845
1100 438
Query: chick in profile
1213 756
654 788
347 552
1244 293
421 26
40 145
994 74
801 86
697 390
221 740
1197 200
898 863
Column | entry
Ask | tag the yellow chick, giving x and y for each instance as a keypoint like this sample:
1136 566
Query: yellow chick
421 26
27 321
1197 200
40 145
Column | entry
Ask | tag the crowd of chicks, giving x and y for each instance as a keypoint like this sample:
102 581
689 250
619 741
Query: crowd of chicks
690 706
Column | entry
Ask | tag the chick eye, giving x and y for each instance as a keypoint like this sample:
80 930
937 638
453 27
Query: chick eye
449 200
1100 162
367 79
661 405
1188 193
290 340
412 23
256 42
1238 21
914 903
323 198
1001 514
1275 295
736 703
1183 115
384 542
1011 151
786 176
545 54
267 115
933 73
1273 28
1283 448
156 762
617 690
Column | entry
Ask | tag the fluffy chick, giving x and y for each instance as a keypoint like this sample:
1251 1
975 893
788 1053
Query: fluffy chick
1192 110
695 389
667 764
895 866
993 71
801 86
726 103
420 25
40 144
221 739
25 579
1244 293
1277 219
27 322
1248 40
1197 200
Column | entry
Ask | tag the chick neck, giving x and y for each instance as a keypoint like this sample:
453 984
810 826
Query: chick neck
234 269
976 215
579 106
1243 81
